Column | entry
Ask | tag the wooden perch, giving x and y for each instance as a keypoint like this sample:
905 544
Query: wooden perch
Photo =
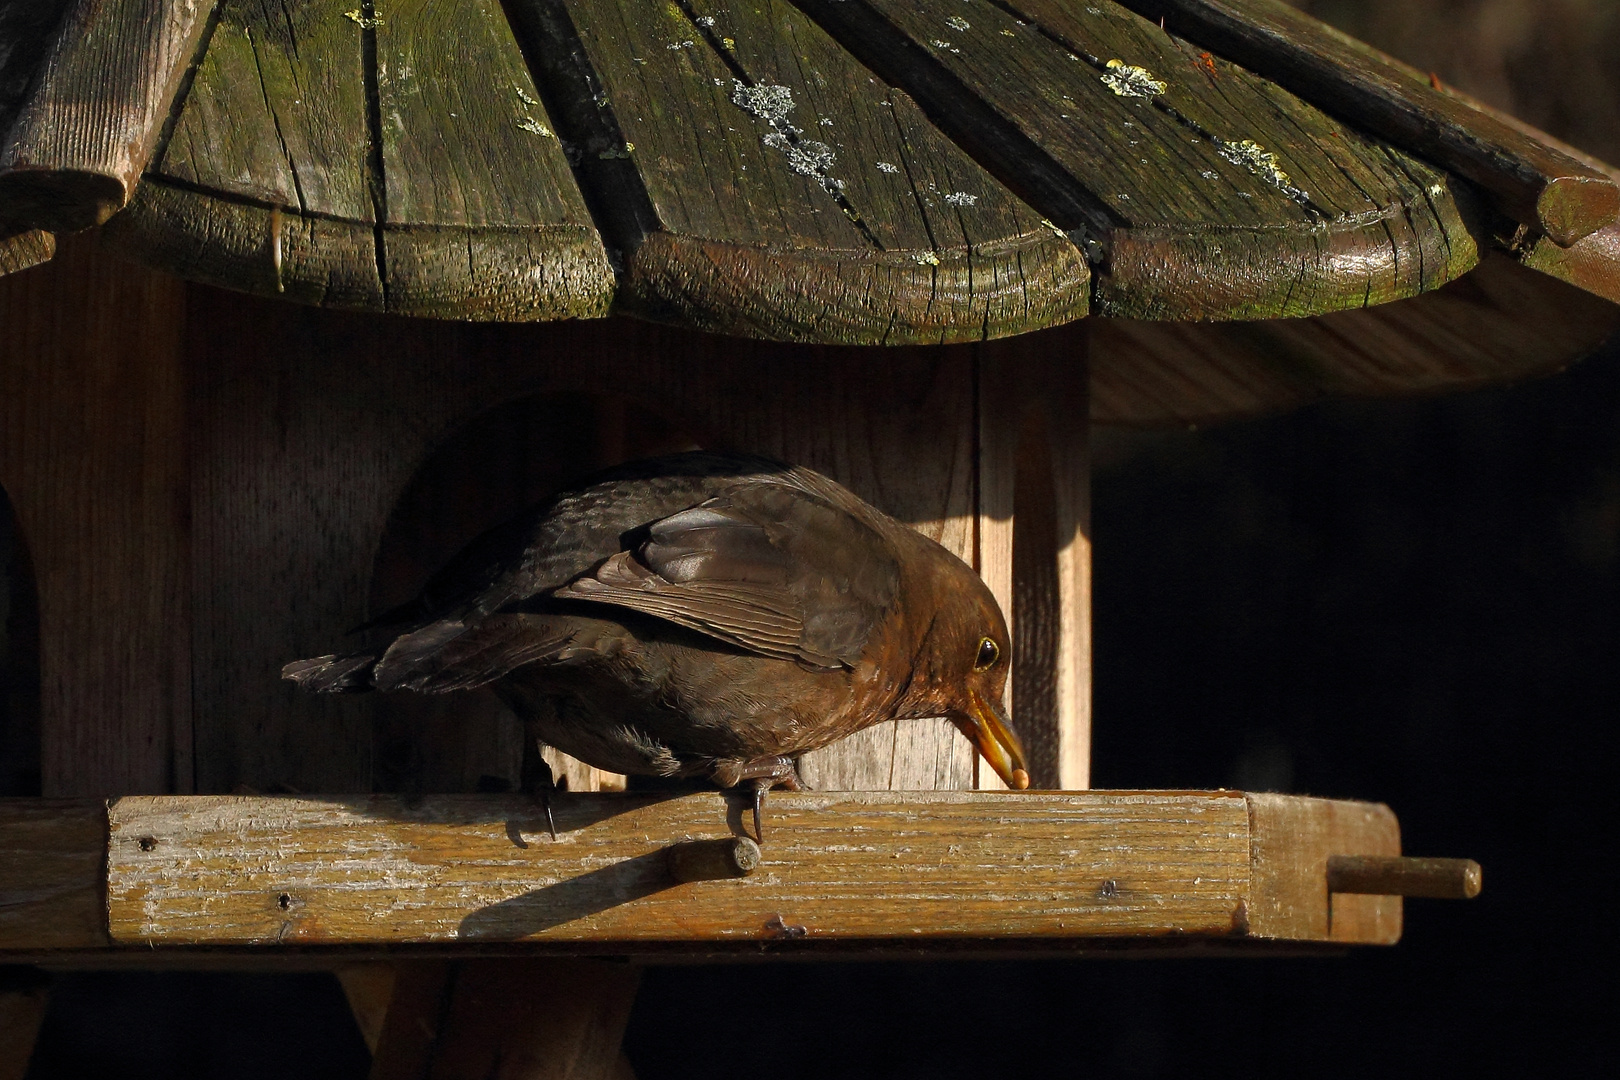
1385 875
78 146
1531 181
869 871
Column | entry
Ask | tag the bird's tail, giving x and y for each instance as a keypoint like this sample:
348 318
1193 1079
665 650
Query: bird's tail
349 674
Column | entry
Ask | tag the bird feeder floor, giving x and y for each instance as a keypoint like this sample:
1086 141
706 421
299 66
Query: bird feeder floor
184 879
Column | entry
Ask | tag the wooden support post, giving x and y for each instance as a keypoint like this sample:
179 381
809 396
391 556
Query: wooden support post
1035 540
506 1020
24 994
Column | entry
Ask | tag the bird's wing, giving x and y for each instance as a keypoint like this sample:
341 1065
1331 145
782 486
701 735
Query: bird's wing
449 655
768 567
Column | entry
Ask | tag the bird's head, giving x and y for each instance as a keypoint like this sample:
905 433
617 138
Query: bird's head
961 670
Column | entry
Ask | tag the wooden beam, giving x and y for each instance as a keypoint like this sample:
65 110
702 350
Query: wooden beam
1531 181
52 874
20 250
85 133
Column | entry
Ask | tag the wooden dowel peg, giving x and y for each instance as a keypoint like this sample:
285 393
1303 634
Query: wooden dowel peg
713 860
1396 875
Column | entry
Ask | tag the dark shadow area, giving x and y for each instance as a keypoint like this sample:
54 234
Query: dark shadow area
185 1025
19 662
579 897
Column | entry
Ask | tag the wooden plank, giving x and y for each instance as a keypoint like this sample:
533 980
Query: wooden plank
1207 194
369 989
26 35
483 216
916 867
52 874
1533 182
1499 323
21 250
83 136
1035 541
789 195
93 456
1292 839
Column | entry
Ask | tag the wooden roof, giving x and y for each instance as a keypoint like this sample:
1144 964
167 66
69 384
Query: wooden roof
1242 192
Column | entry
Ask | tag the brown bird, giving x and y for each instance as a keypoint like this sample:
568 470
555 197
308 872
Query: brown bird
702 614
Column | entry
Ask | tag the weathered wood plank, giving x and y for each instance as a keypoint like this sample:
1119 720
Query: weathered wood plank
1534 183
1188 171
790 195
1498 323
93 456
858 866
1292 838
83 136
52 874
1035 541
484 219
25 38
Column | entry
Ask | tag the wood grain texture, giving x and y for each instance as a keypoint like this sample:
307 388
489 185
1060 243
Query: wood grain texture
1292 838
309 426
1035 546
20 250
93 456
1533 182
369 989
52 874
1208 193
26 33
83 135
1499 323
858 866
791 195
508 1019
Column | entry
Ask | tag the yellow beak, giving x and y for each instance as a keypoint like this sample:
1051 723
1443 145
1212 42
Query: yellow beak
986 727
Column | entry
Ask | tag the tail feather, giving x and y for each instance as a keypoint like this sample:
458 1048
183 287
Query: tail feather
351 674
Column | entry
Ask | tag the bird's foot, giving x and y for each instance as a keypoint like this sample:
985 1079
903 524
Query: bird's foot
763 774
538 784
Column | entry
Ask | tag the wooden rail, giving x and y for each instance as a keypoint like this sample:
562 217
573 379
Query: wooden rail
870 871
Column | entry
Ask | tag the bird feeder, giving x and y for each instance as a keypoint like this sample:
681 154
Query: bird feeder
337 285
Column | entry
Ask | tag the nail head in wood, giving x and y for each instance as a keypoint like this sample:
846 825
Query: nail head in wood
713 860
1396 875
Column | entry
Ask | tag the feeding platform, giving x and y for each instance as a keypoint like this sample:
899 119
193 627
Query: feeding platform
840 872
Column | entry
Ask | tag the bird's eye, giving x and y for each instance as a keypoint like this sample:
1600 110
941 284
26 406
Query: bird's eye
989 653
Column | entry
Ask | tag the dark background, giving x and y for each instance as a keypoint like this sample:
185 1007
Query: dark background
1412 602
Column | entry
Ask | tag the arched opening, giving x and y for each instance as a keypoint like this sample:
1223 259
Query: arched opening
19 662
489 469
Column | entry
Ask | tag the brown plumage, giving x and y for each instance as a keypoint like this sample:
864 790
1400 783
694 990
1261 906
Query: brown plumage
702 614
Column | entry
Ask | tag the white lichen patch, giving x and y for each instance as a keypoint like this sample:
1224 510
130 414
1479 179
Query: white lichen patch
1128 80
364 21
524 97
888 167
961 198
1258 160
770 103
956 22
804 156
705 20
926 258
681 45
535 127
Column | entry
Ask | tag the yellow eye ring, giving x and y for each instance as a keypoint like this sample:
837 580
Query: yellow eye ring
989 653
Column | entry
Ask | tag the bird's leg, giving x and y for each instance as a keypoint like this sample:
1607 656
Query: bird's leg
763 774
537 779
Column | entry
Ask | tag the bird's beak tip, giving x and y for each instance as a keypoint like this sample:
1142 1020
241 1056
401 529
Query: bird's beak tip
985 726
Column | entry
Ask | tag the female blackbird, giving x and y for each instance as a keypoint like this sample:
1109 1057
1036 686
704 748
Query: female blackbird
702 614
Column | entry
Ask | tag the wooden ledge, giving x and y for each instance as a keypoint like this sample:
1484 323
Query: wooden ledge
868 871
